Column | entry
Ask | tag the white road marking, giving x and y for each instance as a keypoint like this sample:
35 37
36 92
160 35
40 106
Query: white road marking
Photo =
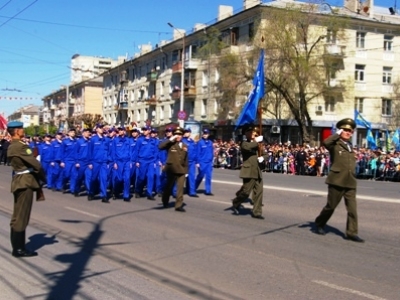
284 189
82 212
344 289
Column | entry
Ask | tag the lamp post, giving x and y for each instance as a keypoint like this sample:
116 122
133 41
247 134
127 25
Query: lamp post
182 100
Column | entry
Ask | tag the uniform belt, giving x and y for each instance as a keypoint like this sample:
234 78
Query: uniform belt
23 172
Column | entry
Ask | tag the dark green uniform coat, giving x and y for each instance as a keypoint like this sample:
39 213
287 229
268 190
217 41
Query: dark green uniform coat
341 182
21 159
252 178
176 167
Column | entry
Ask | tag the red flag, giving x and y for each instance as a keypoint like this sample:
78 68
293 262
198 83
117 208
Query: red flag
3 123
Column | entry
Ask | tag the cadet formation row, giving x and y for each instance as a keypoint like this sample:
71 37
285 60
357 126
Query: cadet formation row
110 163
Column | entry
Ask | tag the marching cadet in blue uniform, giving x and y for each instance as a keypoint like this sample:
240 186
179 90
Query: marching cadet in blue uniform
110 135
68 161
83 158
158 165
99 152
28 177
192 161
46 154
146 158
205 161
121 164
132 150
57 179
163 154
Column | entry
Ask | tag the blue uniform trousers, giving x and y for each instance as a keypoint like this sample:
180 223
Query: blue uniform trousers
57 178
82 173
134 171
99 177
47 169
110 176
157 179
191 179
122 177
69 175
205 170
145 175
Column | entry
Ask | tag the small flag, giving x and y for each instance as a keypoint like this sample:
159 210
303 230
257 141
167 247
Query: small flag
359 119
371 140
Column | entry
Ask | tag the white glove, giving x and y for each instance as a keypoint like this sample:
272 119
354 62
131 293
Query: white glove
339 132
259 139
172 138
260 159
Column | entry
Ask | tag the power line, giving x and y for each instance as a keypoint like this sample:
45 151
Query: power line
88 27
21 11
5 4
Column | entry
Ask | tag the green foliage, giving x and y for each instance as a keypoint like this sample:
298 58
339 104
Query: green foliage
211 43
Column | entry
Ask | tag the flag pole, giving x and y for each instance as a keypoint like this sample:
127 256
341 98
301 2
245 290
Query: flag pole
259 109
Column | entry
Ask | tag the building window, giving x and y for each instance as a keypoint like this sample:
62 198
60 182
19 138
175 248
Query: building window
331 36
386 107
387 75
171 110
360 40
359 105
251 31
162 113
387 43
204 80
204 107
330 104
359 73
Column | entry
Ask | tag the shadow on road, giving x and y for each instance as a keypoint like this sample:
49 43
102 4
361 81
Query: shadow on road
327 228
39 240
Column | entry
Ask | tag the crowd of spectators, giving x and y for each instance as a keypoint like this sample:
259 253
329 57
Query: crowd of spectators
285 158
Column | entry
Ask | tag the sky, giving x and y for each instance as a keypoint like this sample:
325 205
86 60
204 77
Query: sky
39 37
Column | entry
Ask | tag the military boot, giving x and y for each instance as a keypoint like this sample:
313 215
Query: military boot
18 242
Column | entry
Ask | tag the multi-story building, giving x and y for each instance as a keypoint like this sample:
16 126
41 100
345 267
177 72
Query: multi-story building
146 88
30 115
88 67
63 107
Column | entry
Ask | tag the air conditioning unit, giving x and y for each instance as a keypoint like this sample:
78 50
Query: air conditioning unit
318 108
276 129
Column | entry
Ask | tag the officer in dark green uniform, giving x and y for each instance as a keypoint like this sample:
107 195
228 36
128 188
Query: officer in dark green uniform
28 175
176 168
251 173
341 179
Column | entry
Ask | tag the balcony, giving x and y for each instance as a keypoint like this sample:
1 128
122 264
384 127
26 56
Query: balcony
190 92
122 106
233 49
177 67
152 101
192 64
53 106
335 86
72 101
152 76
335 51
387 88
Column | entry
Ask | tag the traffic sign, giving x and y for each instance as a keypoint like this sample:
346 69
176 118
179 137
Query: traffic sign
181 115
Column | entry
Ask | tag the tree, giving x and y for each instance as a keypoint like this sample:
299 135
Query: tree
90 120
293 41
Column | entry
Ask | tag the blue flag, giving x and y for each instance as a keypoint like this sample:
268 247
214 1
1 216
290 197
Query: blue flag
371 140
388 142
359 119
333 129
377 139
249 111
396 138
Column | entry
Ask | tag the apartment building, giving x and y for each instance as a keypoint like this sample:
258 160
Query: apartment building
30 115
89 67
62 108
146 89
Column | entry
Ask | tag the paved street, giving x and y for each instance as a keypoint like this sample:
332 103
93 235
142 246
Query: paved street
91 250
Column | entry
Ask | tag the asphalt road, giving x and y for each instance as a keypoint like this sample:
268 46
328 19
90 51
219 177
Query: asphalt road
91 250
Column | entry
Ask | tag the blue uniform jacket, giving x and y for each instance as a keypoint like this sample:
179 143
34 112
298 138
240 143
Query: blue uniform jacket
192 149
205 151
146 149
57 151
46 152
68 148
100 149
83 150
120 149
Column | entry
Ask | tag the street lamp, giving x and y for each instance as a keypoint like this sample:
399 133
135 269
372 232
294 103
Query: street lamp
182 100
